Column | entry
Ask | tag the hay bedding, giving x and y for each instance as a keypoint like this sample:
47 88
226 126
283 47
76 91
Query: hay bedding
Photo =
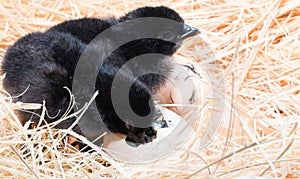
256 44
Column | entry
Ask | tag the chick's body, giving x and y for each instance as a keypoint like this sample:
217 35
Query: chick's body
40 65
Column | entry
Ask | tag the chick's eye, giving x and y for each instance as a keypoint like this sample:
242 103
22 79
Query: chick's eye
168 35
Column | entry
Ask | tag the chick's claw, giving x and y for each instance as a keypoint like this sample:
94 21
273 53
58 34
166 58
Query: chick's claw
141 138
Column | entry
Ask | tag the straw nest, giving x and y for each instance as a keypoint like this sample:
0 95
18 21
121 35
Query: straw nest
252 48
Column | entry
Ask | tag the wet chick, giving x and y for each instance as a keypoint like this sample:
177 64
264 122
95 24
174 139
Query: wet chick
40 65
169 36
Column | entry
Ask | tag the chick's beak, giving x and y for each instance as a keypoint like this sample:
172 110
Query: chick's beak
188 31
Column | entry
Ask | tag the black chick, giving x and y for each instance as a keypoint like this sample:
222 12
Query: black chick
37 68
42 64
169 36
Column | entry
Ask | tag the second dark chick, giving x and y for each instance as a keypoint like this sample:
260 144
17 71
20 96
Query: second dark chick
38 67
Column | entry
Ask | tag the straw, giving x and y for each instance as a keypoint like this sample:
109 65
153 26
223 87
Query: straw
251 48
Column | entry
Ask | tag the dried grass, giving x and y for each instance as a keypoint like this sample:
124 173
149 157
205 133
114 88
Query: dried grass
256 46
